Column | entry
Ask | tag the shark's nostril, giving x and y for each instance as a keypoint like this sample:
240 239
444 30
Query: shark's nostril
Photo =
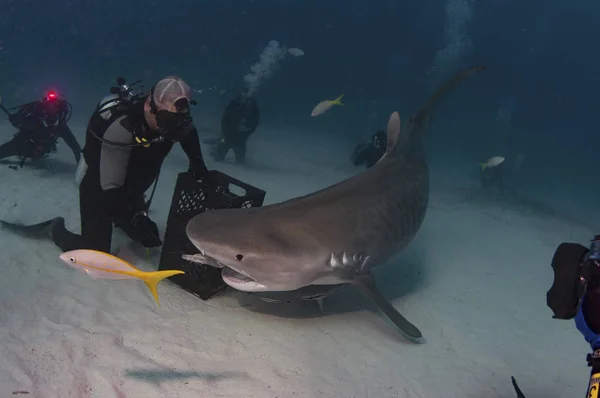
239 257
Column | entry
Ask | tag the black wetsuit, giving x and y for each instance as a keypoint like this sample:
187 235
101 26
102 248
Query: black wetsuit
40 126
491 178
112 190
370 153
366 154
239 121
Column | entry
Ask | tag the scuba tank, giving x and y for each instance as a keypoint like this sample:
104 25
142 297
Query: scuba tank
81 170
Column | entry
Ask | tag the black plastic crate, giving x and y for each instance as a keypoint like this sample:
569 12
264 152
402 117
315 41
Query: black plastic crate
190 198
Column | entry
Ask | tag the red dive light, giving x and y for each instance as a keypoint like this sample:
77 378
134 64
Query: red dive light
51 96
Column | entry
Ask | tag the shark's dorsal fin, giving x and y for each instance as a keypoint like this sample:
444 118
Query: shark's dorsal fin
393 132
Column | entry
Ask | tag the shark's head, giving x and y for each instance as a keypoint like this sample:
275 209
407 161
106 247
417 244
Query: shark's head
252 260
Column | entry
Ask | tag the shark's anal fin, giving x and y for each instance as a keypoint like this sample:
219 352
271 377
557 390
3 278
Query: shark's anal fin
366 284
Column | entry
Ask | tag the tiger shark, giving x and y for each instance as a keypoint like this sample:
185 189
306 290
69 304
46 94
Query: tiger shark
333 236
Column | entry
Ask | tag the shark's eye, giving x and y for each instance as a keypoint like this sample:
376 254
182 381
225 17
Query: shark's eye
239 257
72 259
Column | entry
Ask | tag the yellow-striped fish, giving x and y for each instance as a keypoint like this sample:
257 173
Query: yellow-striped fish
492 162
100 265
324 106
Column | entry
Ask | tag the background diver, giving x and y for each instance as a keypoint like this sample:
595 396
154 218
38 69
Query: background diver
127 139
40 124
370 152
240 119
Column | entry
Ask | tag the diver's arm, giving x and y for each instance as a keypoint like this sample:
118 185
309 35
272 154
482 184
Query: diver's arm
191 146
27 112
113 159
67 135
359 156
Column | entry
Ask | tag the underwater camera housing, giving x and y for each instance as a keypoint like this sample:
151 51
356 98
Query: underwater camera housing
576 270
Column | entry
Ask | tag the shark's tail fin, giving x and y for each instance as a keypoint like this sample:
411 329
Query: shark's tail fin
419 120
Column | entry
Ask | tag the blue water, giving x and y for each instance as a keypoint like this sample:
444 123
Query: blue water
537 96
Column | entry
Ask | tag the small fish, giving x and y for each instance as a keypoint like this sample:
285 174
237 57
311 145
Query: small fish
100 265
492 162
324 106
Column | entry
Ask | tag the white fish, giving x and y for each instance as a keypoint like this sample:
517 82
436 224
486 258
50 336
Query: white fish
324 106
100 265
492 162
296 52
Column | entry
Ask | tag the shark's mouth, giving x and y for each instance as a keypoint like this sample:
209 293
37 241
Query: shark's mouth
238 280
234 276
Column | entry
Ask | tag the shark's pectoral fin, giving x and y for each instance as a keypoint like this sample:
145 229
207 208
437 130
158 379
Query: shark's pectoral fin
366 284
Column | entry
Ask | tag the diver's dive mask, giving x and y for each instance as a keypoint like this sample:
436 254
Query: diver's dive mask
173 124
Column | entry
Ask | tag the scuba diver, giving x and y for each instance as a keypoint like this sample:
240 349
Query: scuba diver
127 138
369 153
491 178
575 293
240 119
40 124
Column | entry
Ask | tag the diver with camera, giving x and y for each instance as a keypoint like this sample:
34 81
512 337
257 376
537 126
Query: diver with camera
40 124
128 136
575 293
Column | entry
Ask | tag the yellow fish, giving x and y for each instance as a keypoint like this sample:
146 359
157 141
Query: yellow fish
100 265
324 106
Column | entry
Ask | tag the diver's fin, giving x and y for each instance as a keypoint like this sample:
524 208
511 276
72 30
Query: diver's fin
366 284
517 389
35 231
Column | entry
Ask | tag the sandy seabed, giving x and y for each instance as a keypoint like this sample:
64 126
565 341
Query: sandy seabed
474 281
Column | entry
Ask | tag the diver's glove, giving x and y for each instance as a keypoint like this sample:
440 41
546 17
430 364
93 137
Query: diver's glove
143 230
588 334
201 173
197 167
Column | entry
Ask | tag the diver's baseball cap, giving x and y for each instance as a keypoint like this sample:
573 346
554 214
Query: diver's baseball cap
170 90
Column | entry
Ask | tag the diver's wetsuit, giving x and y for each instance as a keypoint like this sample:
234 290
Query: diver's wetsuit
491 178
370 153
116 179
39 130
367 154
240 119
